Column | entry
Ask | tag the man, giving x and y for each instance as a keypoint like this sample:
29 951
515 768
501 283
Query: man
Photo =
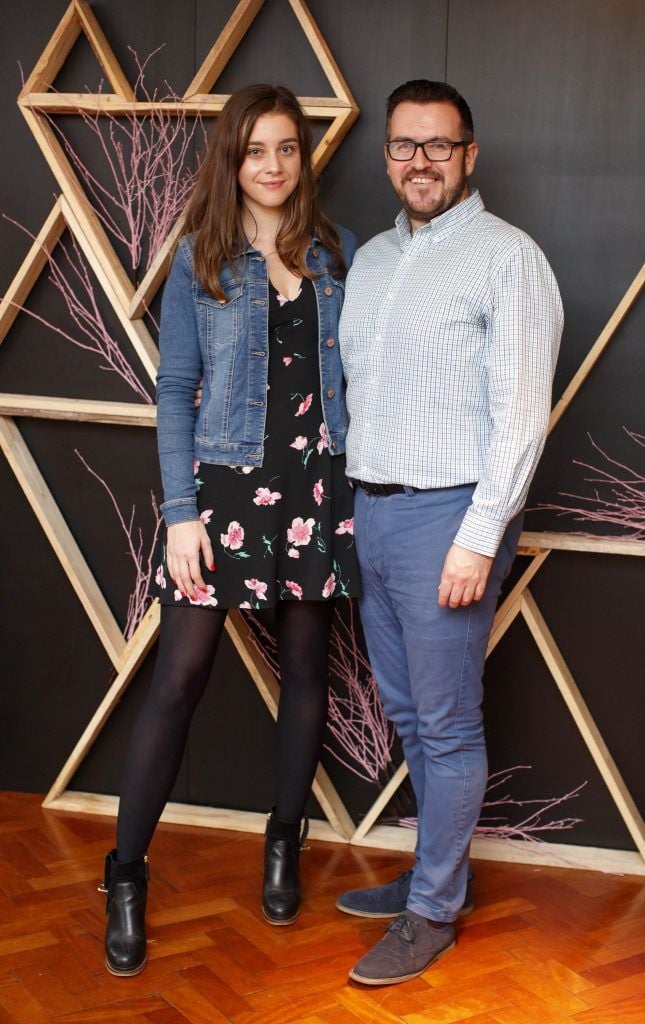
449 337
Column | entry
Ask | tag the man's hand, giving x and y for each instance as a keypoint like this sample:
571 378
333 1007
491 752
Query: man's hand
198 393
464 577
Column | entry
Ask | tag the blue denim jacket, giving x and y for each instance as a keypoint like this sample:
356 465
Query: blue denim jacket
227 343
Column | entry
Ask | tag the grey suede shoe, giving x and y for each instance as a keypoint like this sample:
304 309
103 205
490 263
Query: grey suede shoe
390 899
408 947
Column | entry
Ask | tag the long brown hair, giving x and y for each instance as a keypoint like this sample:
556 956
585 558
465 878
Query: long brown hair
214 211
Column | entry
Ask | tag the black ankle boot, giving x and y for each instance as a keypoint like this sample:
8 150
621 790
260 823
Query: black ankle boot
281 889
126 886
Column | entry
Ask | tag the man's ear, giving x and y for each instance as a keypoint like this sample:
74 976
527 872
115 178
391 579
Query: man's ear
470 158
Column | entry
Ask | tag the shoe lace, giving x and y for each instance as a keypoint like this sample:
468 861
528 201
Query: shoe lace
403 928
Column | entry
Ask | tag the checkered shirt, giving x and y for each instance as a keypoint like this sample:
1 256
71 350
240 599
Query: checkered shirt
449 338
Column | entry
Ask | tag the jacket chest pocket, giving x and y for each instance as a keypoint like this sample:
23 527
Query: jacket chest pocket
219 319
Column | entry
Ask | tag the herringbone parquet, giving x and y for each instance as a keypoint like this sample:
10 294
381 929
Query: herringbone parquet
543 946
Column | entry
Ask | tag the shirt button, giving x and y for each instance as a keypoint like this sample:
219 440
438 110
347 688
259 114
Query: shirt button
377 337
315 252
331 393
389 295
329 291
330 342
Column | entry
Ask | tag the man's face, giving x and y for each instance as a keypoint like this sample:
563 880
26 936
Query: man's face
428 188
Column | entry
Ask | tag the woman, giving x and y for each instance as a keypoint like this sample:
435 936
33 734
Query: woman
257 507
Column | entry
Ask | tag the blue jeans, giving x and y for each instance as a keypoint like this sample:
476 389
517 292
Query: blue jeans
428 662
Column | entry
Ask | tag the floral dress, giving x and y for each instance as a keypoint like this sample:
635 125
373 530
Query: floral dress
284 531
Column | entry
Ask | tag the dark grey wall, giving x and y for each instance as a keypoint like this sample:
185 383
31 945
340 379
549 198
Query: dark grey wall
554 89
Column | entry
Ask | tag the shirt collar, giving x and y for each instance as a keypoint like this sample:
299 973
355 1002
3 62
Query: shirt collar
445 224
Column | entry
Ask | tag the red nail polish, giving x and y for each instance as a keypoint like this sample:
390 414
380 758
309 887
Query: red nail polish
211 568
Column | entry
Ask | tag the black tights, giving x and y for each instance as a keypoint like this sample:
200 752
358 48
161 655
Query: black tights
188 643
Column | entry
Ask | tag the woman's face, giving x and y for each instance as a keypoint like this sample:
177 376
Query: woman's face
270 170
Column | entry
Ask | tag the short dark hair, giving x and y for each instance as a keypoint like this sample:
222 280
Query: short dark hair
420 90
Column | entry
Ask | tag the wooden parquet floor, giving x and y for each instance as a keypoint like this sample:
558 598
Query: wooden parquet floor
543 946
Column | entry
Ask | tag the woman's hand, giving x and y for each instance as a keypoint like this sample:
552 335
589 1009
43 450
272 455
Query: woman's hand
185 542
199 393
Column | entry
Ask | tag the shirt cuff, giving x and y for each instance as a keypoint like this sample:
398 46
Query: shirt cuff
179 510
477 533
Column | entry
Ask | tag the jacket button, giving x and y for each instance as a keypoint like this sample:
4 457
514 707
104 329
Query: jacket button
315 253
329 291
331 393
330 342
333 444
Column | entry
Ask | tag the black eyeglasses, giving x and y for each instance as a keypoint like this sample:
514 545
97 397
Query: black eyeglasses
406 149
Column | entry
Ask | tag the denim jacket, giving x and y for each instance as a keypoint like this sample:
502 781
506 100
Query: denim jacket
227 343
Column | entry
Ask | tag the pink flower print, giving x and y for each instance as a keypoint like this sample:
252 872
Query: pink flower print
299 443
295 588
178 595
245 604
304 405
204 597
330 586
160 579
195 467
324 439
299 533
319 491
293 552
345 526
265 496
234 536
287 360
247 469
206 516
281 299
258 587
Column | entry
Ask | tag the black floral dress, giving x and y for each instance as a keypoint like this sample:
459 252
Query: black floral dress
285 531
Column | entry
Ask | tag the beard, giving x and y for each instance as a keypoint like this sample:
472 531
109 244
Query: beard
425 210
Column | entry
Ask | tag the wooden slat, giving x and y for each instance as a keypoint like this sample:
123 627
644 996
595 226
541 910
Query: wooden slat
131 657
60 537
31 268
584 721
574 542
510 607
208 104
322 51
103 50
78 409
156 274
224 48
332 139
598 347
55 53
380 803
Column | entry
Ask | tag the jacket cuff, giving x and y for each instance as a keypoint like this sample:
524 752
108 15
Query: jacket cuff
477 533
179 510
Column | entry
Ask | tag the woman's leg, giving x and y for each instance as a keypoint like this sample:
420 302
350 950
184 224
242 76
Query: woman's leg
303 651
187 644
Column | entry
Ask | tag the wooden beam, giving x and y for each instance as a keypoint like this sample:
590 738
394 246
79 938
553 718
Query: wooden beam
584 721
78 410
225 46
323 53
332 139
576 542
31 268
103 51
156 274
208 104
599 346
60 537
380 803
55 53
132 656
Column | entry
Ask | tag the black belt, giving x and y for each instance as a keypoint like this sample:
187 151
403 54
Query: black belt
382 490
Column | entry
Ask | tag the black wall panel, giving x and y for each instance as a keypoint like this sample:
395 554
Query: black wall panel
554 92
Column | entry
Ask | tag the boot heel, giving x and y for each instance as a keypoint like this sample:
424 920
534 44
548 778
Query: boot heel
281 885
126 886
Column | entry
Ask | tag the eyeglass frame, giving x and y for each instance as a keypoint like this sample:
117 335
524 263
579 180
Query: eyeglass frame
422 145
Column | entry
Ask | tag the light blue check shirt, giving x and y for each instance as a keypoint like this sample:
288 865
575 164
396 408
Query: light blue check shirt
449 339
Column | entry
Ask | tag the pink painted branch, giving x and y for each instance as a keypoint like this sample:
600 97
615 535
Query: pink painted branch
624 502
139 597
531 825
73 282
148 160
